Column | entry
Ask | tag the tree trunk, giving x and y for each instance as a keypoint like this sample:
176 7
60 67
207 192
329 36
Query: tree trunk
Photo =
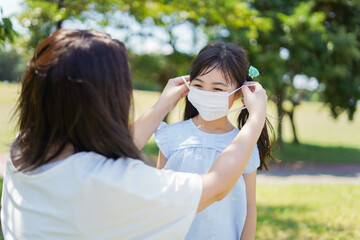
280 112
59 23
291 118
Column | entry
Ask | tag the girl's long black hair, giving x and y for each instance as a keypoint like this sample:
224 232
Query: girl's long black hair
232 61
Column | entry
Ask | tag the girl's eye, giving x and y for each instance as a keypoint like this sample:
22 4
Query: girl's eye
197 85
218 90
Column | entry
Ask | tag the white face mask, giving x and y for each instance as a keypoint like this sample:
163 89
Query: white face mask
211 105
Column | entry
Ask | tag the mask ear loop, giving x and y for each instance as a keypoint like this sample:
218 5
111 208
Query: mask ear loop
241 108
186 83
238 109
250 84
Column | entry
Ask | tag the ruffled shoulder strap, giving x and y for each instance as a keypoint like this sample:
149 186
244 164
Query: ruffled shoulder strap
170 138
162 138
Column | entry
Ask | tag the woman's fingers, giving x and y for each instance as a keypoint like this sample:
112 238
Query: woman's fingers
255 98
179 80
174 90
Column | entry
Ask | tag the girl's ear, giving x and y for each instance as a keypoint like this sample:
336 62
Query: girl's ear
238 94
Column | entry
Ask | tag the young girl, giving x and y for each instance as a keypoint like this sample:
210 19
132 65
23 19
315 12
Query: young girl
216 76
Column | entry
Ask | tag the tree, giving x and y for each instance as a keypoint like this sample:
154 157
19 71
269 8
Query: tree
298 31
340 59
320 37
327 49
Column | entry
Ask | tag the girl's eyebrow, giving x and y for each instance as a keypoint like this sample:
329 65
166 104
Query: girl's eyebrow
220 83
215 83
198 79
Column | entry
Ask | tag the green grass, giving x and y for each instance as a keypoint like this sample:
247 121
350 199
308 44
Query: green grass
319 154
8 97
315 126
308 212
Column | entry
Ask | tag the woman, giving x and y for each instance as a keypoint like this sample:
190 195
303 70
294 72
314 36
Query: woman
75 170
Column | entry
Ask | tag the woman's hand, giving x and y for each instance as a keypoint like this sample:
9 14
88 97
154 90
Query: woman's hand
174 90
255 99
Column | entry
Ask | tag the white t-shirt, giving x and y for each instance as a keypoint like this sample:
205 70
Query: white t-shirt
88 196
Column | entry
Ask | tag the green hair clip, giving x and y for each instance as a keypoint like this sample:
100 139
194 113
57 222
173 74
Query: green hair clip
253 72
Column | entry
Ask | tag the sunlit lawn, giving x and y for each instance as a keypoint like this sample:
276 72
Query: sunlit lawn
315 212
8 97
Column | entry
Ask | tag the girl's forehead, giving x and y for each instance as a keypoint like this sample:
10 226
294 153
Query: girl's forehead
214 75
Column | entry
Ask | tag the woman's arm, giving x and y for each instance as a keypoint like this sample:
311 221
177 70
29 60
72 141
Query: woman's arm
251 215
161 161
228 167
146 125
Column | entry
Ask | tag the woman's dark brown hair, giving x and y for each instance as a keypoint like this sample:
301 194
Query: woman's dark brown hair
232 61
77 90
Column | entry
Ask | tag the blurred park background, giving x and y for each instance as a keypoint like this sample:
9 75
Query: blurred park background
308 55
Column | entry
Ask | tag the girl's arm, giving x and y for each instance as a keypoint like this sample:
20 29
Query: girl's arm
229 166
146 125
161 160
250 222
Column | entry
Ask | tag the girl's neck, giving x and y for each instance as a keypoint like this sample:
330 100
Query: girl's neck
218 126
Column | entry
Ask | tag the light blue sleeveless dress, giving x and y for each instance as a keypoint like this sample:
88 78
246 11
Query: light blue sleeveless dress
189 149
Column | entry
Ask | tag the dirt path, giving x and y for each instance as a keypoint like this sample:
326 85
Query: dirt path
292 173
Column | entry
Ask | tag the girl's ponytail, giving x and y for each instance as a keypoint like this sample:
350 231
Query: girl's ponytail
264 143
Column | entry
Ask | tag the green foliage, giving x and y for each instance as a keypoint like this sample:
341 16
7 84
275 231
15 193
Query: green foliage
322 39
39 18
7 32
43 17
152 71
339 60
320 36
